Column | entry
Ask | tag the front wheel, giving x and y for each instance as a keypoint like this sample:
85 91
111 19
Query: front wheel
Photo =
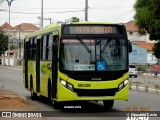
55 104
108 104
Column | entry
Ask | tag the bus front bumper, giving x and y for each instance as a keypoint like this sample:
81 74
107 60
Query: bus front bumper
65 94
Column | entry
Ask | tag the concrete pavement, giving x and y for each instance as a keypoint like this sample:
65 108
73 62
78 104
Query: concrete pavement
133 86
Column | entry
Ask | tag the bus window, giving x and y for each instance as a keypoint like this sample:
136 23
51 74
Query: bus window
34 48
43 47
49 46
30 49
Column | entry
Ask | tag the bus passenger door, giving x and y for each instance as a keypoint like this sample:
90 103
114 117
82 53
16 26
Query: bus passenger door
54 65
38 66
26 46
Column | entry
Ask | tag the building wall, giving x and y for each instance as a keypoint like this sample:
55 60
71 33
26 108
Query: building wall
135 36
151 59
5 61
138 55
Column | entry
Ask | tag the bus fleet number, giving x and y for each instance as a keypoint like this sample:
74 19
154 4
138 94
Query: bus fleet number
84 85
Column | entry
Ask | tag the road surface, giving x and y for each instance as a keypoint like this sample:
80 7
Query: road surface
12 80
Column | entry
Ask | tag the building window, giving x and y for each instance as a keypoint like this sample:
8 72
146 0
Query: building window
131 33
134 52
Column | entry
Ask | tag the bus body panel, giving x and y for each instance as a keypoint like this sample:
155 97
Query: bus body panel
45 76
32 74
91 85
63 93
71 96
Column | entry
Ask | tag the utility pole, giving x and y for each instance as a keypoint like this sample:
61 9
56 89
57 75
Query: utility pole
9 4
86 10
20 44
45 19
42 13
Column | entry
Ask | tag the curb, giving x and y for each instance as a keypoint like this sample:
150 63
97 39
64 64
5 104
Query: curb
13 68
143 89
149 74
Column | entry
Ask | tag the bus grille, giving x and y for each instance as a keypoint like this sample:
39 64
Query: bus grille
97 92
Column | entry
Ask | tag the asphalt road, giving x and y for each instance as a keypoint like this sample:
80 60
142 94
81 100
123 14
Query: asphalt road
140 101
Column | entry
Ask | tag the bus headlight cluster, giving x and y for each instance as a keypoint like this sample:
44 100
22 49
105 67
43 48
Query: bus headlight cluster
122 84
67 85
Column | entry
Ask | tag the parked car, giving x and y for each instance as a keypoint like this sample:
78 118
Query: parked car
133 70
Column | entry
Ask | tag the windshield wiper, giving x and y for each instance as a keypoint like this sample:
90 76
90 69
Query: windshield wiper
104 47
81 41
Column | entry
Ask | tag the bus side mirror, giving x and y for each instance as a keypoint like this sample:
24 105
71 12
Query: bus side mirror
130 46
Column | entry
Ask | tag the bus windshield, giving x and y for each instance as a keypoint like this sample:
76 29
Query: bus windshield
98 54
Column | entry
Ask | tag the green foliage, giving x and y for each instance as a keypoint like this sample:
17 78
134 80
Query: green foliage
148 17
3 42
12 47
156 49
75 19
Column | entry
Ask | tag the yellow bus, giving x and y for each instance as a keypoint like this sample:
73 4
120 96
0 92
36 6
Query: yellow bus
81 61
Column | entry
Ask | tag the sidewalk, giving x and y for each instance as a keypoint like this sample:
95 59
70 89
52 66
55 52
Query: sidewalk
9 100
20 67
150 74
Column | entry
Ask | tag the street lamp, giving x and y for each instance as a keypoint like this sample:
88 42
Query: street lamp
9 5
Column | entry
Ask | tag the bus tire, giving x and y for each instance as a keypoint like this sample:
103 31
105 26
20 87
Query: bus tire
49 92
33 94
108 104
55 104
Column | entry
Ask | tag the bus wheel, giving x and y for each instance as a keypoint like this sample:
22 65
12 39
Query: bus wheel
108 104
49 95
33 94
55 104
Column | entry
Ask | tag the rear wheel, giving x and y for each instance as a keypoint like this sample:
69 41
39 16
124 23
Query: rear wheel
33 94
49 93
108 104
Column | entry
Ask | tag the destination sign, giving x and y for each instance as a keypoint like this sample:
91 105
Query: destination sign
90 30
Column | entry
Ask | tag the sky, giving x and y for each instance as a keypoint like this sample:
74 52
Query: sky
27 11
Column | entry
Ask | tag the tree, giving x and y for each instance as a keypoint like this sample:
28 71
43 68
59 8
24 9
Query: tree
3 42
147 17
74 19
12 47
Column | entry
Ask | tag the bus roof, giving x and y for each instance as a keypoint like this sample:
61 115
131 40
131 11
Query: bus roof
92 23
46 29
54 26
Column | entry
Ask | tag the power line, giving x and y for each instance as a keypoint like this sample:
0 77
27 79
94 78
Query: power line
46 12
43 8
108 8
123 15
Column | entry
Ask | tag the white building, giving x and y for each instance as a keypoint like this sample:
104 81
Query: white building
17 34
134 35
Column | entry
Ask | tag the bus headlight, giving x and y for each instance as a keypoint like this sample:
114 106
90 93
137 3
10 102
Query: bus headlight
122 84
70 87
63 83
125 82
67 85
